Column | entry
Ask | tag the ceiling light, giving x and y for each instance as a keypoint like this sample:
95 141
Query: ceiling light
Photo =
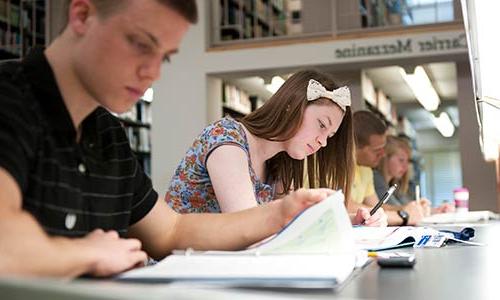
275 84
422 88
444 125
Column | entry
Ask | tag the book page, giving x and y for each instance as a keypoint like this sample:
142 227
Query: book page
324 228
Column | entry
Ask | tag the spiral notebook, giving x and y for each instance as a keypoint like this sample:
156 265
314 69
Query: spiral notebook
315 250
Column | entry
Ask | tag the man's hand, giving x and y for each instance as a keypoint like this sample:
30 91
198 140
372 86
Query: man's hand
111 253
297 201
362 217
415 211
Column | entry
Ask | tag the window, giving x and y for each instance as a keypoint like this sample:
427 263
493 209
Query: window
443 173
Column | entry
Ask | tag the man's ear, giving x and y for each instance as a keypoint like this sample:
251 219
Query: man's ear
79 13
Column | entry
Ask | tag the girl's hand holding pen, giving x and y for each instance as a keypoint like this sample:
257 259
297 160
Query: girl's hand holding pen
363 217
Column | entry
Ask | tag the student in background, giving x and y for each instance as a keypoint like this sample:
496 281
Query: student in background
370 136
234 165
394 168
73 198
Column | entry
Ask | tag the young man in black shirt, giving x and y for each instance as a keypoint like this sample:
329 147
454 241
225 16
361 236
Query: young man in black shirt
73 199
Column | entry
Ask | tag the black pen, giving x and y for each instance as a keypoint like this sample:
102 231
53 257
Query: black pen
384 199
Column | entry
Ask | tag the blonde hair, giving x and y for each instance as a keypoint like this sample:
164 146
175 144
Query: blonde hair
279 119
391 147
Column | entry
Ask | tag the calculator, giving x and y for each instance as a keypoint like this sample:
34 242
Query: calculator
400 261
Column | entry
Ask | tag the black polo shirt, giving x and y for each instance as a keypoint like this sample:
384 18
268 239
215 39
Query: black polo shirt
70 188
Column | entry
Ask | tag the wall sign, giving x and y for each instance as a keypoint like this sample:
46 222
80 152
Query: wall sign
421 45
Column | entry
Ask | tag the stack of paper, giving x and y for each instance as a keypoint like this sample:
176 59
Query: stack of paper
461 217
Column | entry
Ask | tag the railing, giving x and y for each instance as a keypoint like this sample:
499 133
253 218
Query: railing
383 14
247 21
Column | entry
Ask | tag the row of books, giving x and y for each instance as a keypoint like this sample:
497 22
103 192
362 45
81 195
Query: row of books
137 125
140 138
22 17
140 113
10 41
236 99
252 19
377 99
22 26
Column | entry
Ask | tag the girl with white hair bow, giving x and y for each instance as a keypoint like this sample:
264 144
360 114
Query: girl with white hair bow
234 165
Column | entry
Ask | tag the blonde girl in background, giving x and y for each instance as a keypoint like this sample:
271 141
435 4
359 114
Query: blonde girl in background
394 169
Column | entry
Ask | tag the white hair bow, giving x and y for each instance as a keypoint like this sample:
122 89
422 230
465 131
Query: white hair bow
341 96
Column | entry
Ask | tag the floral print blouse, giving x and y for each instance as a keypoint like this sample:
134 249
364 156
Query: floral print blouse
191 190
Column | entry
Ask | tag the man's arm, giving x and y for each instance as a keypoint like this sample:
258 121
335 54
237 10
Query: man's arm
163 230
25 249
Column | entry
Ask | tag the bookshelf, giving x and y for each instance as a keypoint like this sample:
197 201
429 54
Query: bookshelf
137 125
22 26
238 103
377 101
251 19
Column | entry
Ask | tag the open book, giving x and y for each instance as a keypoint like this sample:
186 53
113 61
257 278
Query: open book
315 250
385 238
461 217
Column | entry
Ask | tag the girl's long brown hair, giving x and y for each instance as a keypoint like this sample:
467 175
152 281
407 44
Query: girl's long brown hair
279 119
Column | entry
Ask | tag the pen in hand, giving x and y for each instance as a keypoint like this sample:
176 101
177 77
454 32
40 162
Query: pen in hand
384 199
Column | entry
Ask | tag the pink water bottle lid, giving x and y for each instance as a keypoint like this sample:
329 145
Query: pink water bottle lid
459 190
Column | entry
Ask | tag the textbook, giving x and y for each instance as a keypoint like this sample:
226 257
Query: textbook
461 217
315 250
392 237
